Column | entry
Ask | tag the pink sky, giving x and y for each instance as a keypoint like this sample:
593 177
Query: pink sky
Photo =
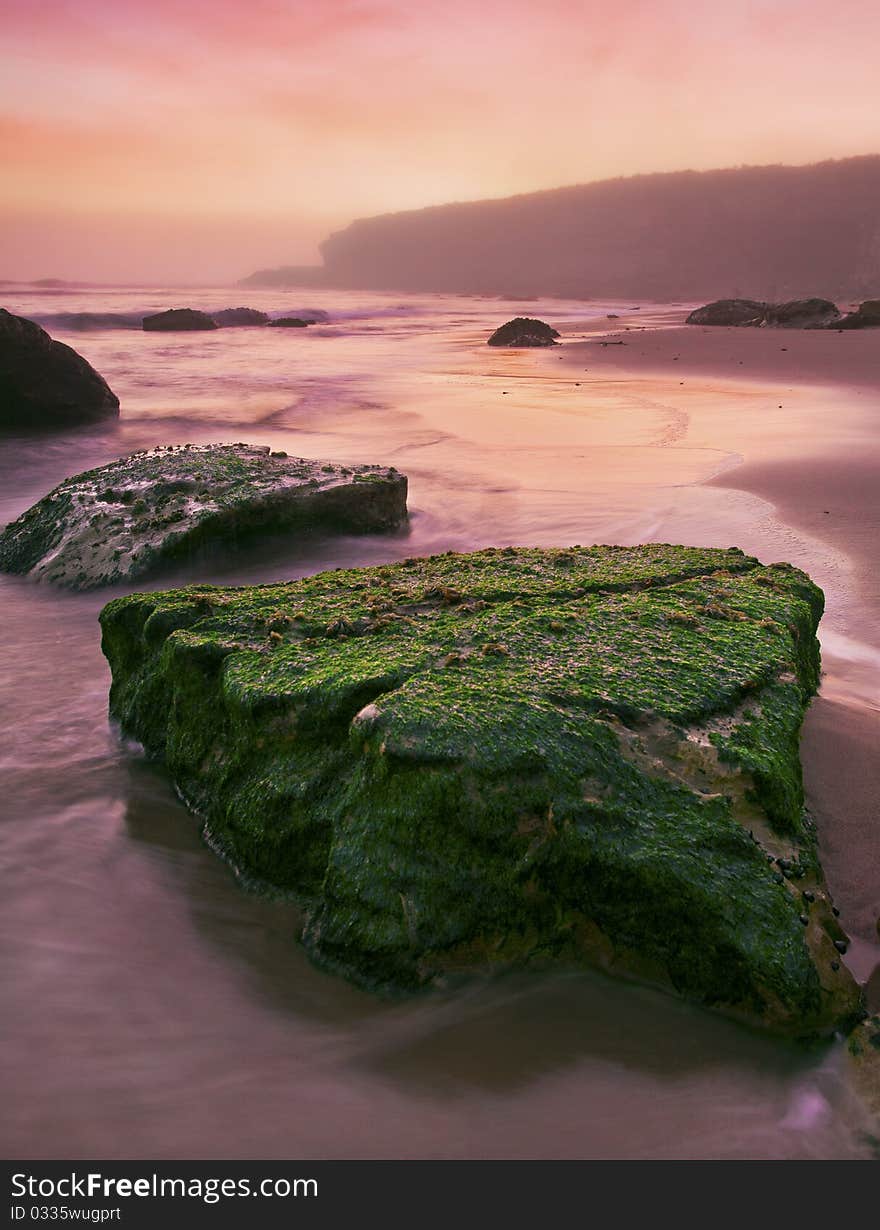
195 140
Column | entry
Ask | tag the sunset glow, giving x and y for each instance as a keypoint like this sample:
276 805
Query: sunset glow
196 141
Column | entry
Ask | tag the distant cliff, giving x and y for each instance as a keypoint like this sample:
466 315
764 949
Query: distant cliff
766 232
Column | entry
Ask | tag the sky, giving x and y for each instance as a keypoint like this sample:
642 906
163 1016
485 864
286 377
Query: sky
196 140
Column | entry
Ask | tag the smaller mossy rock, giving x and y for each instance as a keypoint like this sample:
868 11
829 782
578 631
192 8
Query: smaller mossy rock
290 322
524 331
45 385
803 314
125 519
736 312
178 320
232 317
467 762
866 316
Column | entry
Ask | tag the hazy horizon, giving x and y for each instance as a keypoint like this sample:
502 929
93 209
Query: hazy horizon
197 143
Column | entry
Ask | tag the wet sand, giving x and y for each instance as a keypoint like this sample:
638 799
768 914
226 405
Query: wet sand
783 356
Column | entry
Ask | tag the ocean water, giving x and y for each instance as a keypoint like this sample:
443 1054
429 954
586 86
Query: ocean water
151 1006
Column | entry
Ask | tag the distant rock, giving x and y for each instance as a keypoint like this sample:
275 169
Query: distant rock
290 322
867 316
524 331
802 314
737 312
178 320
230 317
124 519
45 384
794 314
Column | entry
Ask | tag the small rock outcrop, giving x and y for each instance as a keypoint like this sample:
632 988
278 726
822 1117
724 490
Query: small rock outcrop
803 314
45 385
866 316
178 320
290 322
523 331
125 519
736 312
231 317
794 314
470 762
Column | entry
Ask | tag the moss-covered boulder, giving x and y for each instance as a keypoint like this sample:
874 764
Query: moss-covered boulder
583 756
125 519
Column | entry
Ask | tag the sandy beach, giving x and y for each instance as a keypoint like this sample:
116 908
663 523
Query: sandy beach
802 416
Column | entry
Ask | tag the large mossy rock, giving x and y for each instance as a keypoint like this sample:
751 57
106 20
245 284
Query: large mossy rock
524 331
125 519
44 384
585 755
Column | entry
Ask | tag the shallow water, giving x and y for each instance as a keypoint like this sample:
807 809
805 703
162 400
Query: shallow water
153 1008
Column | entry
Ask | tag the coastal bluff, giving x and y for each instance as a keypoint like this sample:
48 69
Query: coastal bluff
126 519
467 762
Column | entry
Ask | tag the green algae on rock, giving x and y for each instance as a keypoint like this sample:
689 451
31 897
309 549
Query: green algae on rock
124 519
587 756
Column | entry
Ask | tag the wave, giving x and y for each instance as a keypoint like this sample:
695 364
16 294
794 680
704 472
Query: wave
86 322
82 322
368 312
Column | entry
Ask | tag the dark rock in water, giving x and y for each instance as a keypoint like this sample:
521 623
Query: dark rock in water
125 519
866 316
523 331
45 384
178 320
473 761
290 322
803 314
737 312
229 317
